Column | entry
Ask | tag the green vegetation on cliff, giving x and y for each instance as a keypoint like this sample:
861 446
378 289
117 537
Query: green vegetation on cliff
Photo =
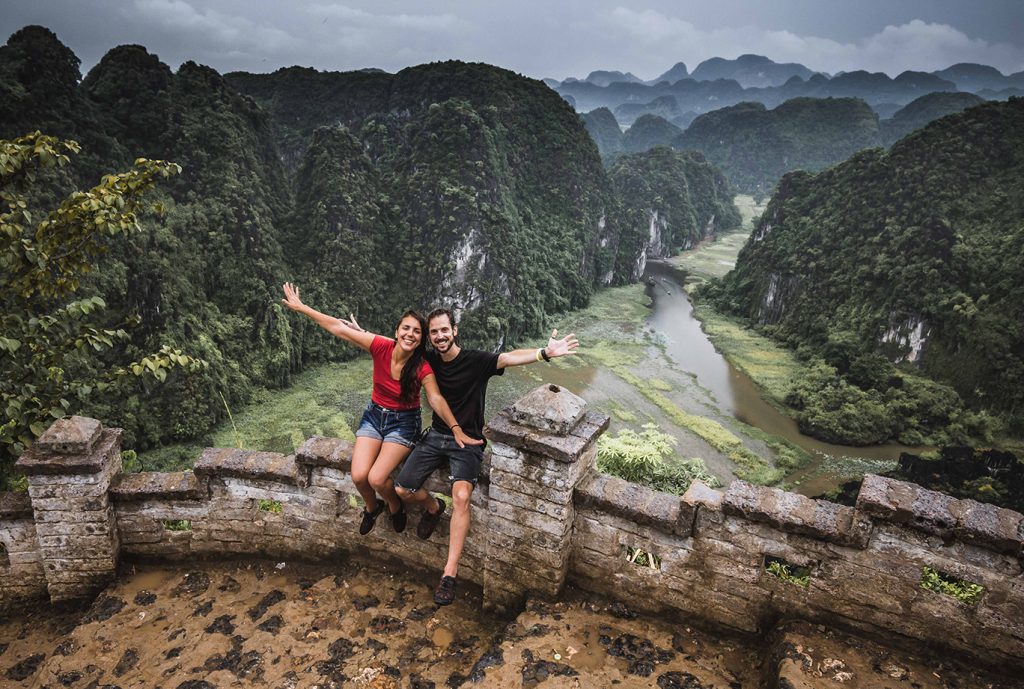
914 255
755 146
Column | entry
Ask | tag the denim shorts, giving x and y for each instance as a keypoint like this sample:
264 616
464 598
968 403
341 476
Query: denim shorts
389 425
433 452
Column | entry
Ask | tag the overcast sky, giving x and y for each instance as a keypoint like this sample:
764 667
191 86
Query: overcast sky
550 38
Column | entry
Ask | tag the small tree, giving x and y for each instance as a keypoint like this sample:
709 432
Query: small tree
49 335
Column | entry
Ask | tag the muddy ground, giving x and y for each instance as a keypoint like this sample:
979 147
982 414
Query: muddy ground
288 626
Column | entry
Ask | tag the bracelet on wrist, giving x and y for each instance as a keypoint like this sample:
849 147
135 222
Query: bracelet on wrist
538 354
544 353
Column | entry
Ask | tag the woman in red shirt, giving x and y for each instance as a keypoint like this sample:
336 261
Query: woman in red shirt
391 422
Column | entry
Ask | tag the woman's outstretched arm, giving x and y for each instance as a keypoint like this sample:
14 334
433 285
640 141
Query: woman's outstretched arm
335 326
440 405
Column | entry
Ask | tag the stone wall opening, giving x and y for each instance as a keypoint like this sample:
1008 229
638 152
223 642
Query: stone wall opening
643 558
178 524
5 560
965 591
787 571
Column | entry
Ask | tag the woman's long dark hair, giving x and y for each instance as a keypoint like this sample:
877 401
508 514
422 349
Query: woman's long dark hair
408 380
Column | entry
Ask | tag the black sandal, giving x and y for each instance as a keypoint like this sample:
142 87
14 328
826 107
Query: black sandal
399 519
370 518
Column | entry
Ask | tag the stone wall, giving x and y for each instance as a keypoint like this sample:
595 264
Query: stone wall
542 516
865 563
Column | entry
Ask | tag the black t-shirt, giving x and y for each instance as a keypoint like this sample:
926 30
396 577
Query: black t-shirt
463 382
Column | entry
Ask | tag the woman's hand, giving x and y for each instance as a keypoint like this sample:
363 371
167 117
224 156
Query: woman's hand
461 439
291 297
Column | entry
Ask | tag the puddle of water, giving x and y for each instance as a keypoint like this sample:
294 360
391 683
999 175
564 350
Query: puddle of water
442 637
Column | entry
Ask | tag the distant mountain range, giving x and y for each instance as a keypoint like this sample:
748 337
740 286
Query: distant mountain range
679 95
754 146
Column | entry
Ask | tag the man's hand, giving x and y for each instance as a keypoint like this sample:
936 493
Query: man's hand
291 297
556 348
461 439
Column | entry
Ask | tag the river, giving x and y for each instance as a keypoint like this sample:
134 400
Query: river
737 395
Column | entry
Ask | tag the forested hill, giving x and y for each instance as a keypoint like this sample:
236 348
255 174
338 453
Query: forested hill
670 201
479 188
918 252
925 109
755 146
450 183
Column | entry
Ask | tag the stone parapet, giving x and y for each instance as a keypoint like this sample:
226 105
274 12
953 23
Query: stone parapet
70 469
793 513
543 446
741 557
940 515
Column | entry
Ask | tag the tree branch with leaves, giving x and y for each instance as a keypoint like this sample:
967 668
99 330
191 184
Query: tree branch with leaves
47 330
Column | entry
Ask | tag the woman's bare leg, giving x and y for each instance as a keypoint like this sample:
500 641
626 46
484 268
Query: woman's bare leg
364 455
389 457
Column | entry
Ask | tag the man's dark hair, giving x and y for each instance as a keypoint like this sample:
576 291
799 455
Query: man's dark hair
442 312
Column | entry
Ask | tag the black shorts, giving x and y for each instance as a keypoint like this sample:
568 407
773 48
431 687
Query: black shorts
433 451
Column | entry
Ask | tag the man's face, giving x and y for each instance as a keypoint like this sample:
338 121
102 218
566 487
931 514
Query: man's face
442 334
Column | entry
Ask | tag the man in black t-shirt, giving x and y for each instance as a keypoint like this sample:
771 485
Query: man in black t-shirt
462 376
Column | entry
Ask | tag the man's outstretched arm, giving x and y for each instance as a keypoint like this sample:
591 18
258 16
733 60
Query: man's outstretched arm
554 349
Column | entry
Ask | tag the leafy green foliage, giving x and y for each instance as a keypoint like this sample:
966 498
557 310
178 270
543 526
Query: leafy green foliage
646 457
272 506
854 263
50 335
647 132
794 574
178 524
964 591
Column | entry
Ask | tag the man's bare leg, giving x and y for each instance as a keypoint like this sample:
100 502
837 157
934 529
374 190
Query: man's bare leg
462 492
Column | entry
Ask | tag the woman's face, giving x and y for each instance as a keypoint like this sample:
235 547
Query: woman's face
409 334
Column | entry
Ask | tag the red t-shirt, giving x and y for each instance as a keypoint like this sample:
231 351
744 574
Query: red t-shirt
387 390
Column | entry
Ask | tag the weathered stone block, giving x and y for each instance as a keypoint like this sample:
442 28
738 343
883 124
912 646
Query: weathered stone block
73 435
542 522
990 526
15 505
907 503
154 485
529 502
524 484
548 408
706 504
795 513
247 464
569 448
39 460
318 451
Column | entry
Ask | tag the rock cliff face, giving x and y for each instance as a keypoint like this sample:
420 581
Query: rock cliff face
670 201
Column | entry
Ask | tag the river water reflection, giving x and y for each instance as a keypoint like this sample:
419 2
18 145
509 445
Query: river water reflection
737 395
